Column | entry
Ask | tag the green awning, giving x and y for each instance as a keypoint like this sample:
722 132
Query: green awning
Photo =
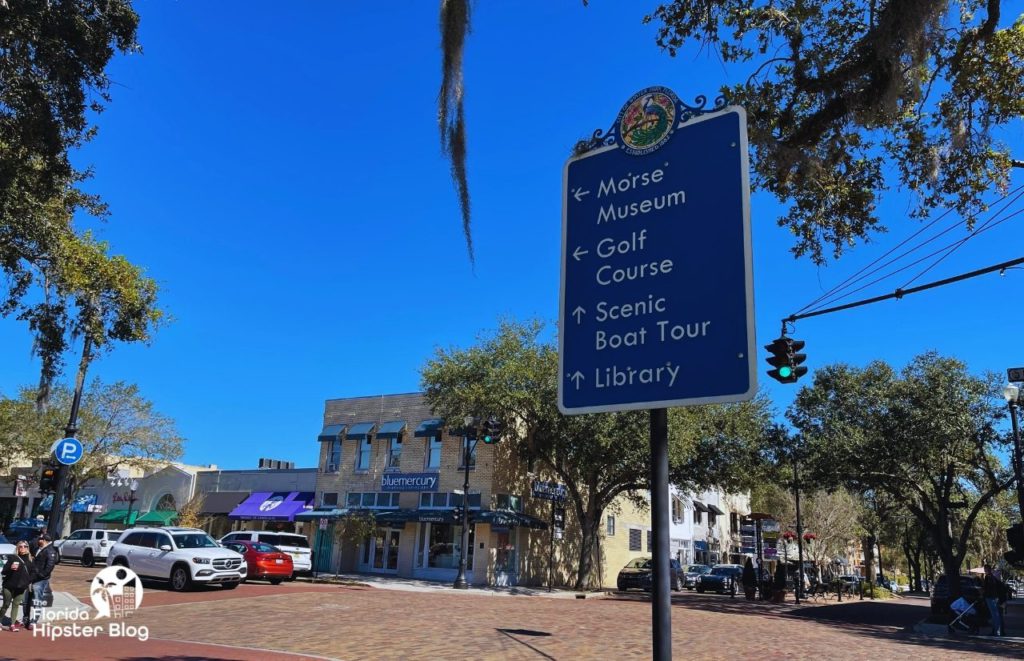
430 427
331 433
392 429
118 516
158 517
360 430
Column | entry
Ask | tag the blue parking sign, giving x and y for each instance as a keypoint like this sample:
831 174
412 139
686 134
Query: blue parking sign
68 451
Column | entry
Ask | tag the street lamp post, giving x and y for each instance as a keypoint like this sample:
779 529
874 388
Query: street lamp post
1011 394
132 488
460 579
799 530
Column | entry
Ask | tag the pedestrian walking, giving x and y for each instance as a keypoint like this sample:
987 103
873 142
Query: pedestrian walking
749 580
994 592
39 594
17 575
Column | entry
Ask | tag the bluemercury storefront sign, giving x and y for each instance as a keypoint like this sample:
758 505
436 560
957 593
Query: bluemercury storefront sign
408 482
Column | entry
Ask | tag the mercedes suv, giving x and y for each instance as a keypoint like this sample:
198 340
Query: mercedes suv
181 556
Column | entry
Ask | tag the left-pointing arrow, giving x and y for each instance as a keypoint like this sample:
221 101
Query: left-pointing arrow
580 193
579 253
577 376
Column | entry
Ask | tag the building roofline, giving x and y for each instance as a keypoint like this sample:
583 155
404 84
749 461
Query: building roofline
393 394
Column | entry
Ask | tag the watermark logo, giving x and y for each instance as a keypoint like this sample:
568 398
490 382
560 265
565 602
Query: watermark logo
116 592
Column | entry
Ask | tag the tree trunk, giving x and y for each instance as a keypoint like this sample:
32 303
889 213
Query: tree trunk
588 544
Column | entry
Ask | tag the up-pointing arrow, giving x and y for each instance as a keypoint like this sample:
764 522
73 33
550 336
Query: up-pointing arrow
579 312
577 377
578 253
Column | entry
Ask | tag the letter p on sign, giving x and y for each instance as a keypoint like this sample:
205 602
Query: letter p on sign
67 451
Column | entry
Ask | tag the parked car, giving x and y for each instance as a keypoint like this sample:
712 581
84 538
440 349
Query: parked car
264 561
297 546
639 573
721 579
970 589
87 545
182 556
691 573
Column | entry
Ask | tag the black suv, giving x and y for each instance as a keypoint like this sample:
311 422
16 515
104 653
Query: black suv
970 589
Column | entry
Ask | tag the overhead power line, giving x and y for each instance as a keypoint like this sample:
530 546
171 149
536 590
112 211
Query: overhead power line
900 293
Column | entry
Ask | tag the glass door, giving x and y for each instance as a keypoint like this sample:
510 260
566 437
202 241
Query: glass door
380 552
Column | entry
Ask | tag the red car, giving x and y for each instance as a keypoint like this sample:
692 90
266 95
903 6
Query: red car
264 561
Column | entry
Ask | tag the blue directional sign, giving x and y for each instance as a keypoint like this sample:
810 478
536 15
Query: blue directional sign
67 451
657 283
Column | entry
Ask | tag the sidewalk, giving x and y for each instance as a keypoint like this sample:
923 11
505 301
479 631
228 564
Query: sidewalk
1013 628
386 582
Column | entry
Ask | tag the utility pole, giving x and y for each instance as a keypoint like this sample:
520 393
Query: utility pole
56 522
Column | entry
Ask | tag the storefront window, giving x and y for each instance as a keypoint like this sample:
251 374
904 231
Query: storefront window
363 456
395 453
433 452
468 450
334 456
443 545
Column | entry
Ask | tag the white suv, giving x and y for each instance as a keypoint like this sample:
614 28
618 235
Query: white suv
87 545
297 546
181 556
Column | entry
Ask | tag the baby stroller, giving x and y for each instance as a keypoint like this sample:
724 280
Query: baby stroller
969 616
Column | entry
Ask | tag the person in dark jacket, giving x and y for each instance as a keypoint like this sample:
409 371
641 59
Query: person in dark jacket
995 594
749 580
46 558
17 575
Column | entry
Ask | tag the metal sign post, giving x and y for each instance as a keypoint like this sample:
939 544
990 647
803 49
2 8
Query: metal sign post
656 305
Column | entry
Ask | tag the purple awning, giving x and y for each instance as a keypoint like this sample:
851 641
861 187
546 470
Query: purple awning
272 505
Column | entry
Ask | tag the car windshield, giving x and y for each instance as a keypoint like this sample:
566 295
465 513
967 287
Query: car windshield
640 563
194 540
260 547
722 571
698 569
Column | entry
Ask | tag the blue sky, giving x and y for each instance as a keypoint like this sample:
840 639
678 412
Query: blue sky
276 167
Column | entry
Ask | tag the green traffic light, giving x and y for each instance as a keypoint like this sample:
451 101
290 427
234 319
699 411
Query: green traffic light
785 371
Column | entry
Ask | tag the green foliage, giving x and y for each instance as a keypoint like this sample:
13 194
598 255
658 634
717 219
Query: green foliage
849 98
354 527
513 375
118 428
62 283
925 439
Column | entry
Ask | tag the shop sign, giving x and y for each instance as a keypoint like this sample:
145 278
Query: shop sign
409 482
553 491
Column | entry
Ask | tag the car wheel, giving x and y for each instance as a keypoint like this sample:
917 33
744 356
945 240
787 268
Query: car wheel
181 579
87 559
675 586
275 581
231 586
700 589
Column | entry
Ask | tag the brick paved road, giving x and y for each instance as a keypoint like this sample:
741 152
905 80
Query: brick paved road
357 623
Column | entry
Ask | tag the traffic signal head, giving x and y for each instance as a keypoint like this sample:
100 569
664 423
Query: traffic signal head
1015 538
492 431
786 360
48 480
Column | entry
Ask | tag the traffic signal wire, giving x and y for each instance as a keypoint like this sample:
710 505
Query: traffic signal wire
833 295
900 293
